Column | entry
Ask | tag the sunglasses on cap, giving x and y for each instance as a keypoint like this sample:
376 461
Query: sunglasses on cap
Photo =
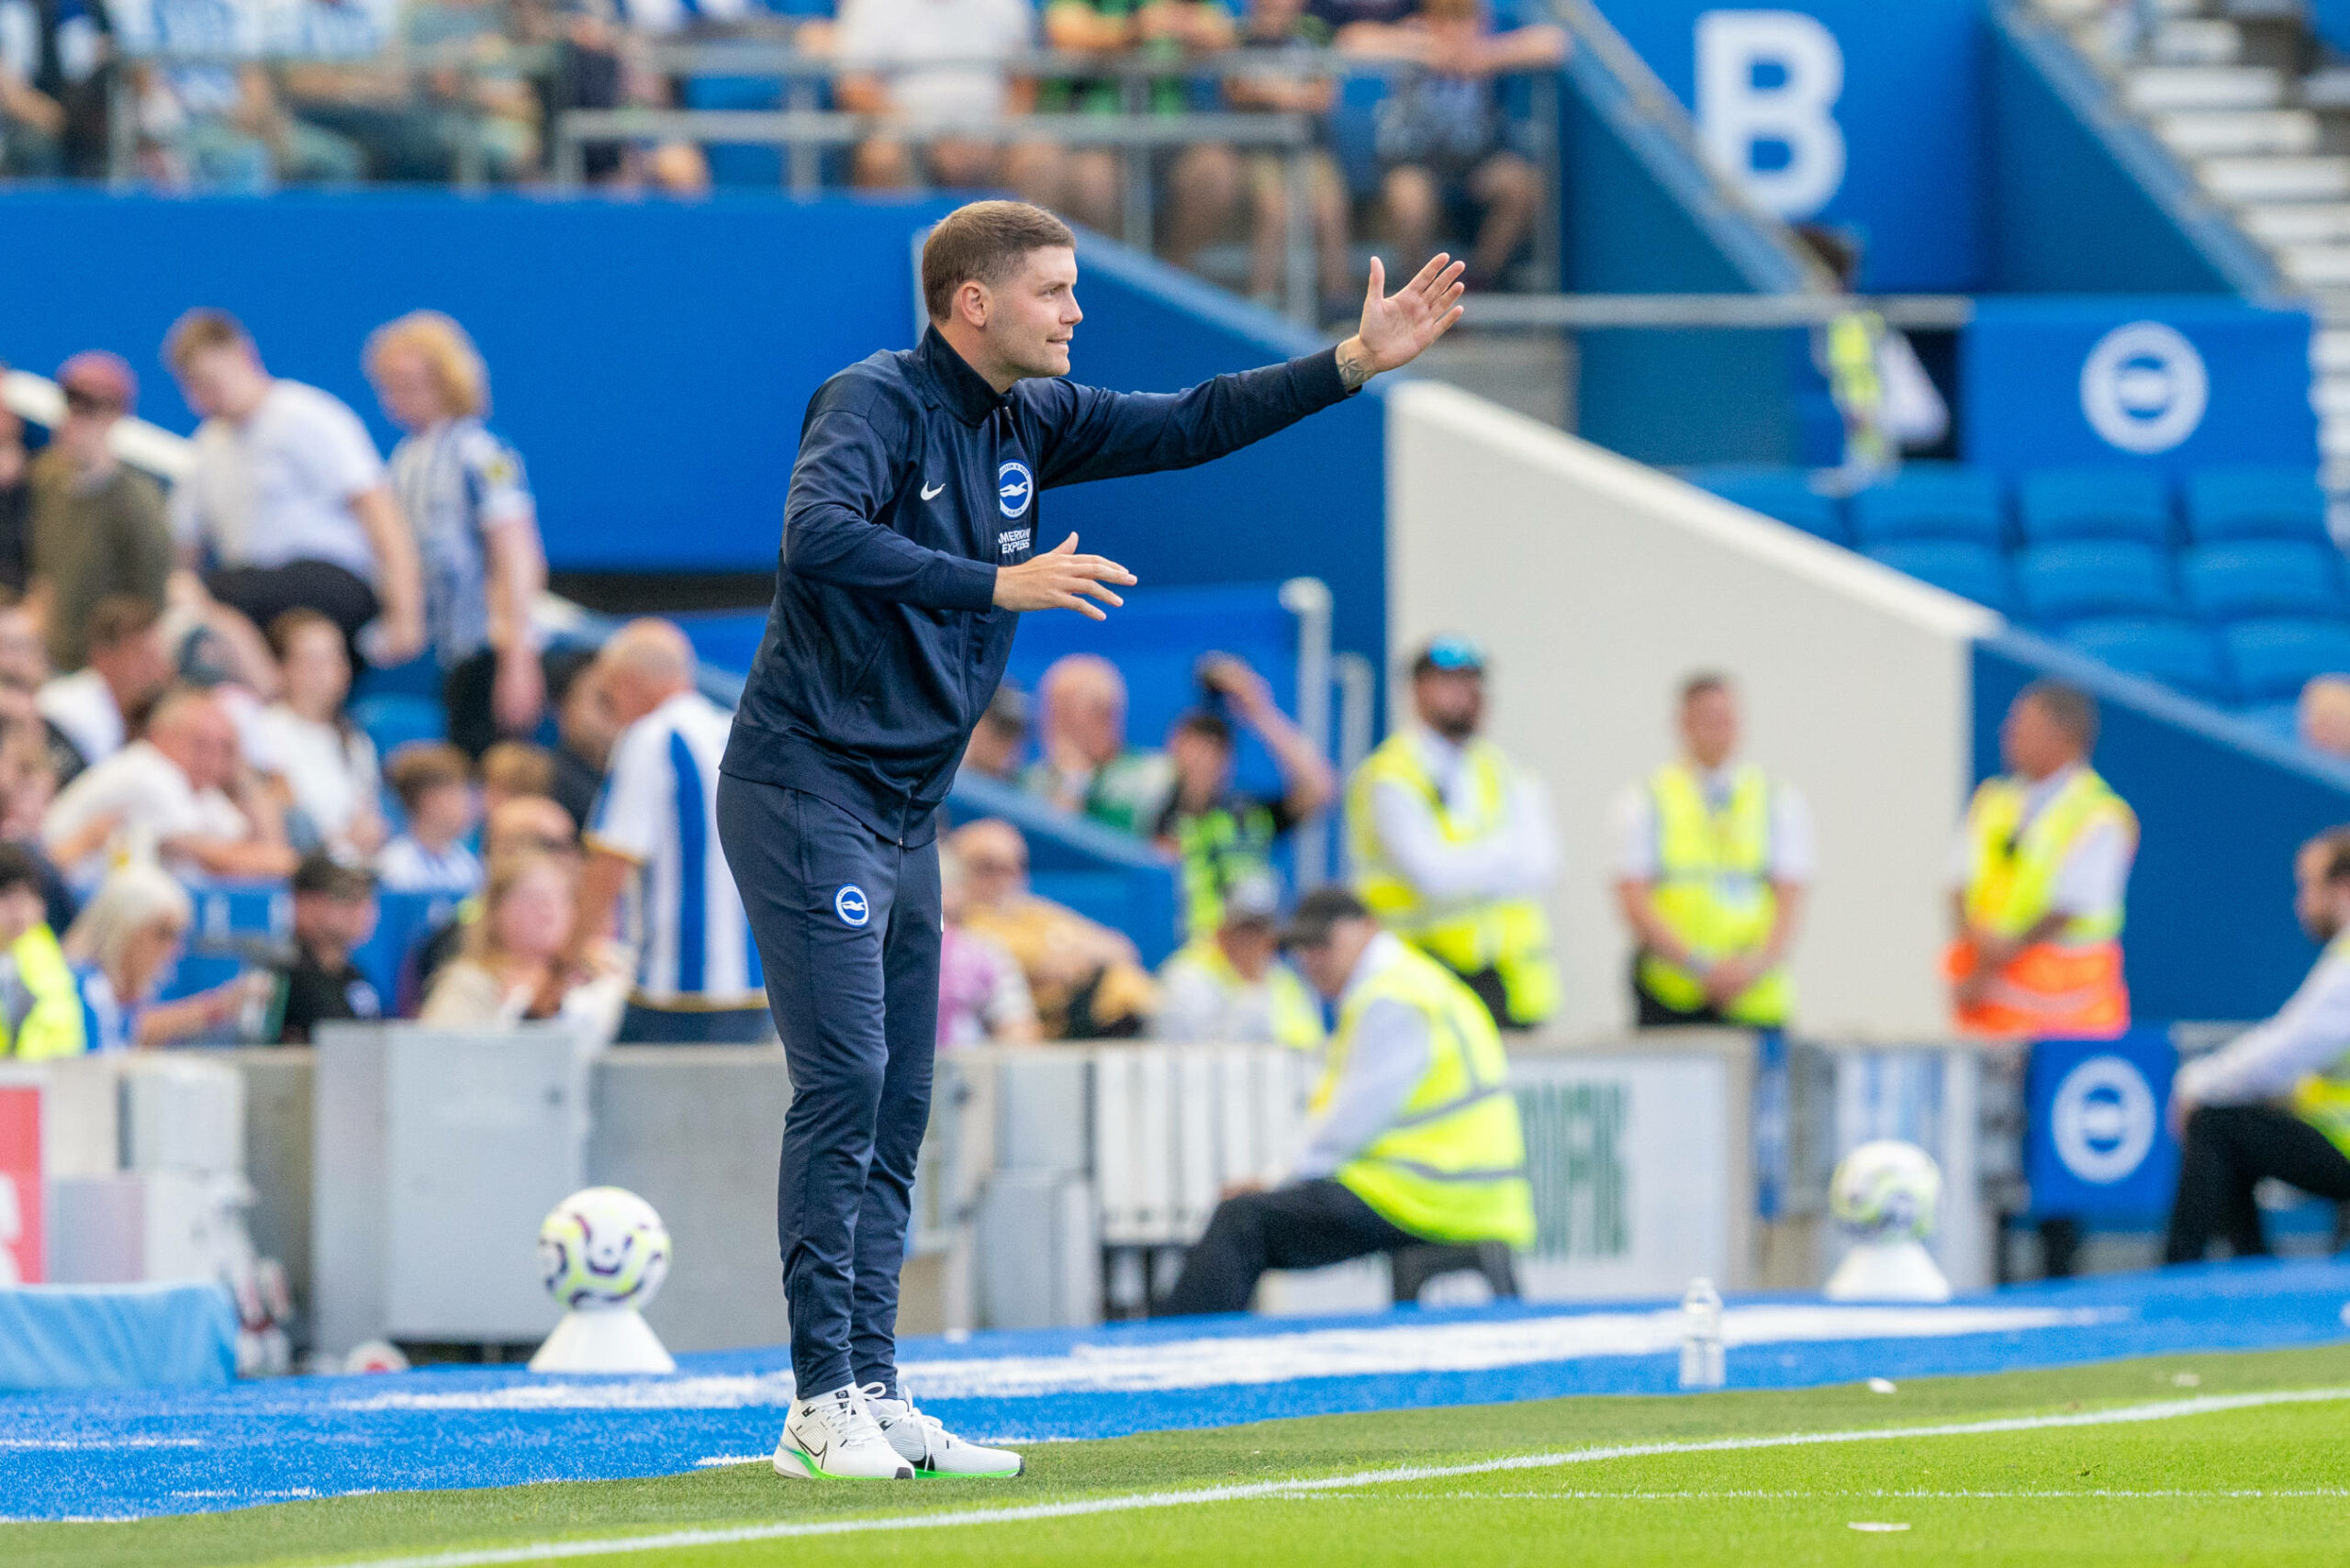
1453 653
81 401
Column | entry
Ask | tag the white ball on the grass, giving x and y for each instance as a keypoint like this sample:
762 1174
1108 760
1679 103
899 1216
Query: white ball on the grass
603 1247
1886 1189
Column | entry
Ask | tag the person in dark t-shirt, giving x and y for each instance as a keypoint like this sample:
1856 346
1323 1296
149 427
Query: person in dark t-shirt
334 913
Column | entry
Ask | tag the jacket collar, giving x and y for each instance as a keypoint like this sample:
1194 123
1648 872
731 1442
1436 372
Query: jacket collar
960 388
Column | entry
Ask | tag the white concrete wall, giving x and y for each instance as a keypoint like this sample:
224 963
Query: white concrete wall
1596 584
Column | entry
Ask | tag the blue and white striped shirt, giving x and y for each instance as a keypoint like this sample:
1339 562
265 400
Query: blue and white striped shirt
659 809
455 482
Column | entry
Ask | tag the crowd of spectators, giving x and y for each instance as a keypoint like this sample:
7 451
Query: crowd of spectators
243 96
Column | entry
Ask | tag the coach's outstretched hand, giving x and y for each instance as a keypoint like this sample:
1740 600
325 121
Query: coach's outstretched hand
1396 328
1055 579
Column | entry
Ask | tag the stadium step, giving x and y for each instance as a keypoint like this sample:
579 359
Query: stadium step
2196 40
2330 351
2330 395
2203 133
2316 267
2299 223
2154 89
2277 179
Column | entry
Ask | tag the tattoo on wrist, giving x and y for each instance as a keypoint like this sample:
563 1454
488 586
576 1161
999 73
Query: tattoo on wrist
1354 368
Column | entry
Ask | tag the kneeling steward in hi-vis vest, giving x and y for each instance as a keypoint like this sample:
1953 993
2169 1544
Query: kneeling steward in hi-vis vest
1452 1165
1713 890
2323 1099
1510 936
1295 1017
2072 984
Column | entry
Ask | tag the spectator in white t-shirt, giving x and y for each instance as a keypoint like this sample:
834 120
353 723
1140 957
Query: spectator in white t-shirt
287 498
326 763
924 64
92 710
181 793
434 782
464 492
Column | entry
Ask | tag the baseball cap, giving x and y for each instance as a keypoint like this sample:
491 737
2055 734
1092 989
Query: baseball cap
97 374
1254 900
1450 652
1318 912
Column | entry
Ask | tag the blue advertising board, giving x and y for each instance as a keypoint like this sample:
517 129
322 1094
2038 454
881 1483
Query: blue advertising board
2096 1146
2172 382
1865 117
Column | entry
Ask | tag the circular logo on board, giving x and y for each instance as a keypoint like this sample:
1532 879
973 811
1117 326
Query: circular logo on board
2143 388
850 905
2103 1120
1014 487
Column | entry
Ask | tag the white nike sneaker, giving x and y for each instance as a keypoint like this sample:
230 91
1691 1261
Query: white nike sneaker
835 1438
930 1447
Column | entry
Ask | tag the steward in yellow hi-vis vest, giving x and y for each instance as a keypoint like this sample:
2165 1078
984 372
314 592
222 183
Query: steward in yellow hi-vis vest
2042 865
1451 843
1229 987
1712 861
41 1007
1414 1135
2274 1102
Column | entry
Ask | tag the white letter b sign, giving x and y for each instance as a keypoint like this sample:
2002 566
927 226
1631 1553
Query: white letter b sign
1737 54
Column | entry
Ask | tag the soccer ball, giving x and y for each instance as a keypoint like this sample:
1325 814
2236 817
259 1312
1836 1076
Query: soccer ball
1885 1190
603 1248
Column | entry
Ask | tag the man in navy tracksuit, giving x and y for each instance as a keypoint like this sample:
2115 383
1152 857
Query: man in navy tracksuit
910 547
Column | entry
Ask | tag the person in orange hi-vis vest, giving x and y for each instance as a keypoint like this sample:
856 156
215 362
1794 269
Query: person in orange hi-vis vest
2039 874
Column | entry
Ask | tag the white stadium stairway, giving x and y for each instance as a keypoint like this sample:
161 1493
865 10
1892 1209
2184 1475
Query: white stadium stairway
2245 99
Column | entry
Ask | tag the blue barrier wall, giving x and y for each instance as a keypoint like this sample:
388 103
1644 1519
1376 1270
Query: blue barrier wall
1846 112
2170 383
2083 200
2222 807
1639 217
652 360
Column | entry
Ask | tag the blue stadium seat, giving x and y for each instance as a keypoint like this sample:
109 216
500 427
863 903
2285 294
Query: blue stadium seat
2178 653
2274 658
2254 503
1929 500
1784 493
2075 581
2280 720
1971 571
2093 503
2263 577
394 719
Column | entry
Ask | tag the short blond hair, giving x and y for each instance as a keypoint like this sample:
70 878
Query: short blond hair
447 352
133 897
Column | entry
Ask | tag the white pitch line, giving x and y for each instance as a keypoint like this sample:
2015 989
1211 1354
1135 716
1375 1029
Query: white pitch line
540 1552
1757 1495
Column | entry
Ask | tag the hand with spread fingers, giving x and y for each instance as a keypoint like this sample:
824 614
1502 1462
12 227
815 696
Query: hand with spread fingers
1057 579
1396 328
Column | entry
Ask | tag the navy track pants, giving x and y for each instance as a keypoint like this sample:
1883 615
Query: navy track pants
847 924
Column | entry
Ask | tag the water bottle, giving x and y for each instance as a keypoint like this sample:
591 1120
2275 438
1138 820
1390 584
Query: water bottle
1701 1336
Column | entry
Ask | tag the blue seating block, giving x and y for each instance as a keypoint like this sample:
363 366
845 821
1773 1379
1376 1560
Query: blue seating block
2275 657
2263 577
2075 581
1931 500
2254 503
394 719
2177 653
1969 571
1782 493
2093 503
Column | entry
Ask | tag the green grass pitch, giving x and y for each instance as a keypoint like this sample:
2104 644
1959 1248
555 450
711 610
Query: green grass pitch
2258 1484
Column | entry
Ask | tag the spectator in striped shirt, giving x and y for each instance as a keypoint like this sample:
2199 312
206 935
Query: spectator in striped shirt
434 782
653 841
464 492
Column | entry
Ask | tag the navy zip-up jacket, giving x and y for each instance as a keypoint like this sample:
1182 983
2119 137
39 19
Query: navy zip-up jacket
915 481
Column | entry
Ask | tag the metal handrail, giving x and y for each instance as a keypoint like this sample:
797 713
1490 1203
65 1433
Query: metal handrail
1594 312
